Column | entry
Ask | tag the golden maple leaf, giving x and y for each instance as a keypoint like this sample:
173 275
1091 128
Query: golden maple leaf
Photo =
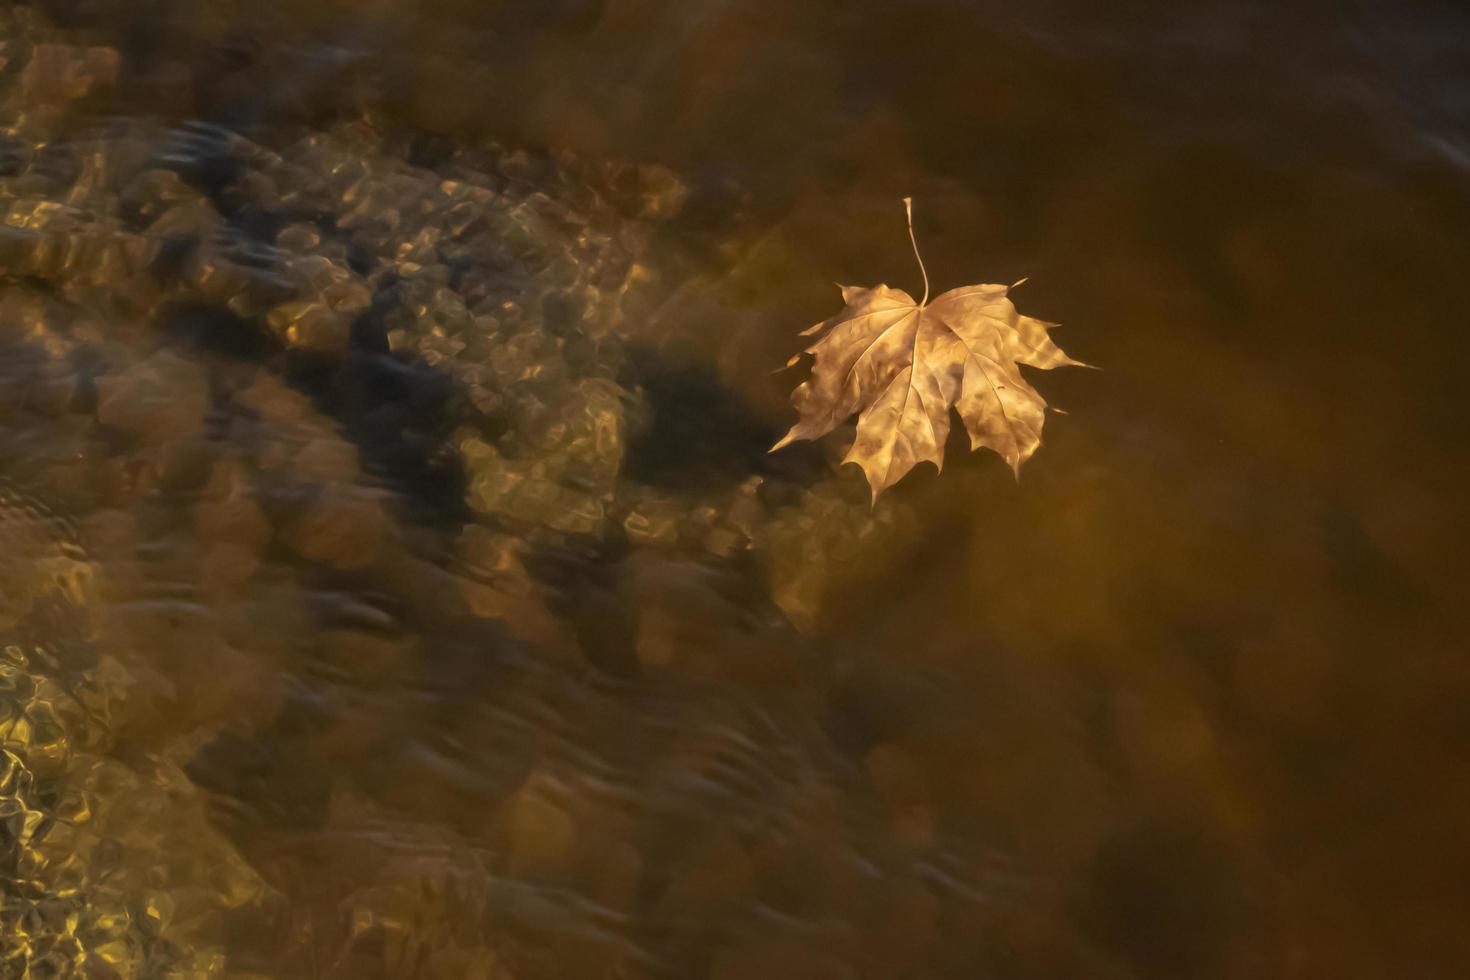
903 365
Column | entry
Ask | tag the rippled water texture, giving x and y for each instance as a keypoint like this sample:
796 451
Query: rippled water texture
394 582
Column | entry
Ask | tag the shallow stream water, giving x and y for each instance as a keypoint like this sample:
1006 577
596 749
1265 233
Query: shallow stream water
394 581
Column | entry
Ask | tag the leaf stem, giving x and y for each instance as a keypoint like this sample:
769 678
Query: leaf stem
908 207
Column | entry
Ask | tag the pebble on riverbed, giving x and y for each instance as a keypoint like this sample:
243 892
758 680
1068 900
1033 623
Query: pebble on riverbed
157 400
59 73
342 527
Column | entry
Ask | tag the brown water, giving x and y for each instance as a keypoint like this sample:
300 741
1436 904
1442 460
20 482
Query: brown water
395 583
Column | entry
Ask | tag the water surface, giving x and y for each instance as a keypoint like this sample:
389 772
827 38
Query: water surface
396 584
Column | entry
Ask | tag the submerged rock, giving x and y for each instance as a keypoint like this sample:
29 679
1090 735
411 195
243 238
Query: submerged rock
341 528
101 863
60 73
565 473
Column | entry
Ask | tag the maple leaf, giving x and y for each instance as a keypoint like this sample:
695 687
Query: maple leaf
903 365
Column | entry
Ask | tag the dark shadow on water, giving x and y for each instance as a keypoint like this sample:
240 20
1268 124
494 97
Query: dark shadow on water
399 412
1167 900
700 435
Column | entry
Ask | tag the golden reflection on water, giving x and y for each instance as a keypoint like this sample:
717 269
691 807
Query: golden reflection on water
393 582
